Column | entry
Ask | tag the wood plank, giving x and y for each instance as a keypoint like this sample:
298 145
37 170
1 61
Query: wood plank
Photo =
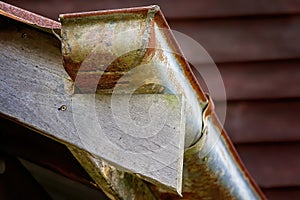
35 87
282 193
176 9
247 39
149 140
264 80
272 165
56 160
254 80
249 122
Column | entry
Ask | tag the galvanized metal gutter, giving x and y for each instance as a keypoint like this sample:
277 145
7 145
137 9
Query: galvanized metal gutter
98 49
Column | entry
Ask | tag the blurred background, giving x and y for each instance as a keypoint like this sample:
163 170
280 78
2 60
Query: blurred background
256 46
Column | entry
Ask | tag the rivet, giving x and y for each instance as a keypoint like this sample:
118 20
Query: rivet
62 108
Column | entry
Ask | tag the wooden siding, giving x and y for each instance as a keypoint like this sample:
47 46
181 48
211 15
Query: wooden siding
175 9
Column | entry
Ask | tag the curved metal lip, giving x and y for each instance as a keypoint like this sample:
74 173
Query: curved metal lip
161 21
137 10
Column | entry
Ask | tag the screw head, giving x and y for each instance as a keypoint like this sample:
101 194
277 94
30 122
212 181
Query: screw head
62 108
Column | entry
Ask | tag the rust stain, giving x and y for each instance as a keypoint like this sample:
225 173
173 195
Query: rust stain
162 23
202 177
209 177
75 59
232 151
27 17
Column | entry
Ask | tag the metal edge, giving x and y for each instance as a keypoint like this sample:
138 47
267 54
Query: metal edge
134 10
27 17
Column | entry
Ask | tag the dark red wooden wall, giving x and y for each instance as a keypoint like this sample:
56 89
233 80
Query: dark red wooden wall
256 46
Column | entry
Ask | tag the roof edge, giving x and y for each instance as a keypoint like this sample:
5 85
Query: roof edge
27 17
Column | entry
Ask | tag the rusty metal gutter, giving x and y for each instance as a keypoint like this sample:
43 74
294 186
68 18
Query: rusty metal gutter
27 17
208 173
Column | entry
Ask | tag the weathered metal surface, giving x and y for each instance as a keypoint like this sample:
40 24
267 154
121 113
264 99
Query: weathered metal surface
120 39
143 58
129 63
213 173
35 96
